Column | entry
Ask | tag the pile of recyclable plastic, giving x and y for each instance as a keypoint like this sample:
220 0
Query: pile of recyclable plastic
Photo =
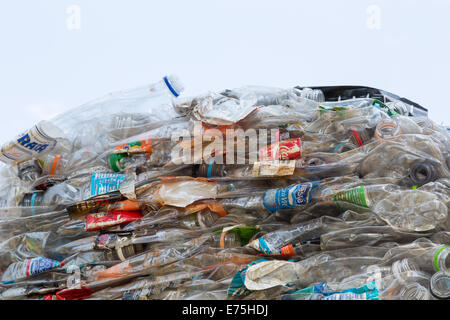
250 193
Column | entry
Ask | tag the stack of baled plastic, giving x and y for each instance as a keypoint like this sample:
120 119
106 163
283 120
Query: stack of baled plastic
250 193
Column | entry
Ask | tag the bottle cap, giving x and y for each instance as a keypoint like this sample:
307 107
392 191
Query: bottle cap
174 84
114 161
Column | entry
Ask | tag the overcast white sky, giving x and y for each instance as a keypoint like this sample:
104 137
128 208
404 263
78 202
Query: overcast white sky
49 62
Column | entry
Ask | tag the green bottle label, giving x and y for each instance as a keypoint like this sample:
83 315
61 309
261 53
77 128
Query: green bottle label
380 105
355 195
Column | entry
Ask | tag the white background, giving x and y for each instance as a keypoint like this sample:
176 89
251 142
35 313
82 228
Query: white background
51 61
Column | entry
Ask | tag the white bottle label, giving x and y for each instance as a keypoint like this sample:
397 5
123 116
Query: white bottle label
32 143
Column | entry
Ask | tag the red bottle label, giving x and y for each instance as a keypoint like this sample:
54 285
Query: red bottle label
284 150
99 221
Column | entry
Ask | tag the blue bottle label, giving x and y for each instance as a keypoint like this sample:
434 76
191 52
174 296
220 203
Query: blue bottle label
263 247
291 197
322 291
40 265
366 292
102 183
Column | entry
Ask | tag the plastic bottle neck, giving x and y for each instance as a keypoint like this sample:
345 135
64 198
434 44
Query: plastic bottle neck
174 85
441 259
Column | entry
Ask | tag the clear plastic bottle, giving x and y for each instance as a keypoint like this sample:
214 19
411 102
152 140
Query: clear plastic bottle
272 200
86 125
366 196
72 191
367 234
229 240
312 94
400 107
265 96
36 142
413 210
273 243
203 219
23 269
395 157
430 260
143 154
93 116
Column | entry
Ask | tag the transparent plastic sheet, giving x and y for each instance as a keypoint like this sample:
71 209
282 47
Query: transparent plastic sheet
345 200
